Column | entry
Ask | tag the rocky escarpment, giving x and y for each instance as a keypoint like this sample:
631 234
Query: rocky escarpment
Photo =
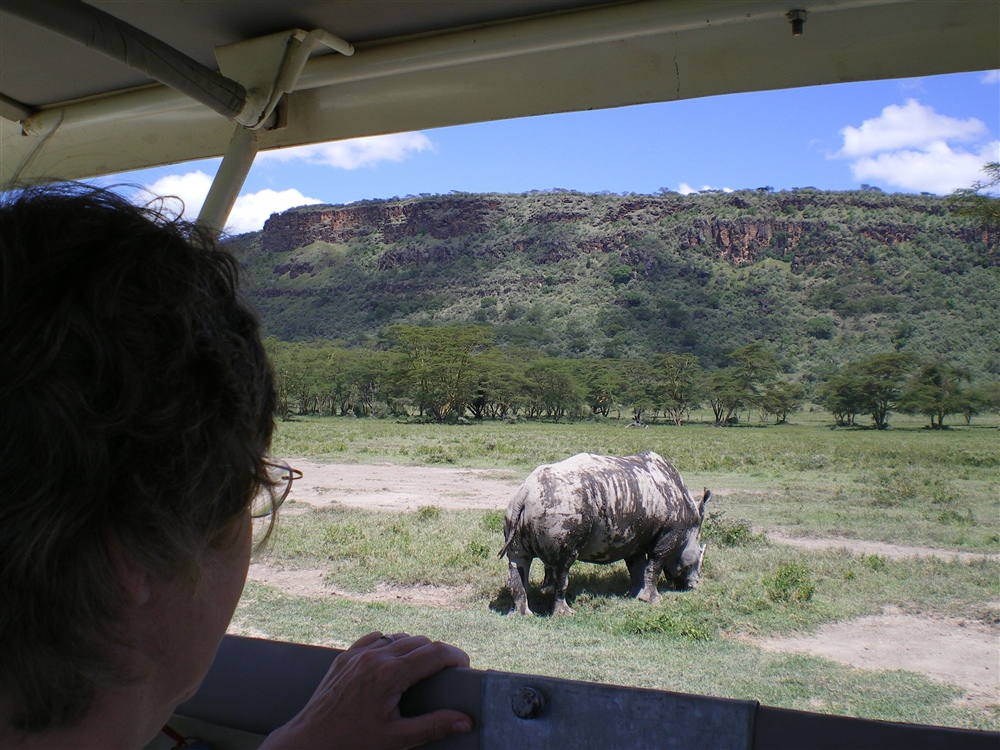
382 221
550 227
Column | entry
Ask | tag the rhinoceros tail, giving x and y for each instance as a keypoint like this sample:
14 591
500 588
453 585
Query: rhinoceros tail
515 512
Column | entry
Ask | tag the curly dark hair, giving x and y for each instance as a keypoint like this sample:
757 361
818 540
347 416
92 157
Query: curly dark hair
136 408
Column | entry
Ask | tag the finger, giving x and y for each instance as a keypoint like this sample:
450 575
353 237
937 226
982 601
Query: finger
388 639
433 726
366 640
403 644
427 659
443 654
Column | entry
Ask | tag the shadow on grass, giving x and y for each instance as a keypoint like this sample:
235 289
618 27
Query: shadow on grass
586 580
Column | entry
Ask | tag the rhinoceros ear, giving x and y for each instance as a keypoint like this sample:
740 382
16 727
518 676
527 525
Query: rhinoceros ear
704 501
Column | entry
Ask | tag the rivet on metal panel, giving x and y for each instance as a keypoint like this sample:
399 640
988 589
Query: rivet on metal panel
527 703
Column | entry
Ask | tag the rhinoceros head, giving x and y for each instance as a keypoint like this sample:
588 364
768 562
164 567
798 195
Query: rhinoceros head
685 570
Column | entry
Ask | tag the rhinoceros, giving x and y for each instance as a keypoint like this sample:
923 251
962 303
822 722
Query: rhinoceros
601 509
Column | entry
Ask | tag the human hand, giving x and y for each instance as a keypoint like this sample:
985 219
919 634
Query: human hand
357 704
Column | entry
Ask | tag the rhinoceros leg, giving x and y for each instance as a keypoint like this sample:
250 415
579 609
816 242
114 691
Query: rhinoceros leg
637 572
667 546
549 582
517 582
650 577
561 581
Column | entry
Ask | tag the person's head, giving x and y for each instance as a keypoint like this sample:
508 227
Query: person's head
136 410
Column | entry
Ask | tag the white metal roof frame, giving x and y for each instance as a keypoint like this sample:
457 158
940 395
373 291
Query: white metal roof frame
564 55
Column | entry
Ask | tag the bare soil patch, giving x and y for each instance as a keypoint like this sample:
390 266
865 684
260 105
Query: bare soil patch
862 547
392 487
955 651
960 652
309 583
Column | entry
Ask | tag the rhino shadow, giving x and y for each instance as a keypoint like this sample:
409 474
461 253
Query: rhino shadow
586 579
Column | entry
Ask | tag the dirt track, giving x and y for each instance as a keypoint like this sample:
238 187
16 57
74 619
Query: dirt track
961 652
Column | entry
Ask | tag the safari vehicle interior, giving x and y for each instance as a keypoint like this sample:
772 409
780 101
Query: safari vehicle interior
101 87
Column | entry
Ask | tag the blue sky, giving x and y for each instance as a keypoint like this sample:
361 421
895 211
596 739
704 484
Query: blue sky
930 134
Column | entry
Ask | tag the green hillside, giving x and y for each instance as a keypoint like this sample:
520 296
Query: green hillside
822 277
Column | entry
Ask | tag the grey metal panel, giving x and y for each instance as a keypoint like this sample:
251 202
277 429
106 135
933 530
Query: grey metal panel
784 729
587 715
258 685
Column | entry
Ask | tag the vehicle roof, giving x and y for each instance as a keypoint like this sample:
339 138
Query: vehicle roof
69 112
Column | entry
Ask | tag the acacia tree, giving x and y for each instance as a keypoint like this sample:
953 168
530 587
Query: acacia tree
438 365
638 392
679 384
741 386
500 385
881 378
553 388
936 392
294 379
781 399
983 398
369 379
976 201
841 396
725 395
338 381
603 381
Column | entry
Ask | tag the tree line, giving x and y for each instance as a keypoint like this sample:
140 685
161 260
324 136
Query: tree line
456 372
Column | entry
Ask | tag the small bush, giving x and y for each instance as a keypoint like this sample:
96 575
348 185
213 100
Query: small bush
492 520
954 517
791 582
645 622
428 512
876 563
477 549
728 532
890 488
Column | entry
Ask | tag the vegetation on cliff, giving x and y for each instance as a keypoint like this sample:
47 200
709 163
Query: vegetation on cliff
823 279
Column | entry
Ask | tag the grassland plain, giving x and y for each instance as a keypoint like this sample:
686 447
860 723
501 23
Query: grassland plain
906 485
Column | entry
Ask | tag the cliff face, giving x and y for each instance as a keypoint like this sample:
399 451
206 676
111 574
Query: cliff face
740 229
388 221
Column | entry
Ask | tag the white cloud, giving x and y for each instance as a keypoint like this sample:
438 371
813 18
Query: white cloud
685 189
249 213
914 148
190 189
354 153
990 77
909 126
937 169
253 209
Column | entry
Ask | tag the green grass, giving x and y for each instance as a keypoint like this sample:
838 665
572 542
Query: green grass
749 586
906 486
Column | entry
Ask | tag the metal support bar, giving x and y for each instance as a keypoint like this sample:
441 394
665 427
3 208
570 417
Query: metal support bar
229 179
289 77
102 32
13 110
